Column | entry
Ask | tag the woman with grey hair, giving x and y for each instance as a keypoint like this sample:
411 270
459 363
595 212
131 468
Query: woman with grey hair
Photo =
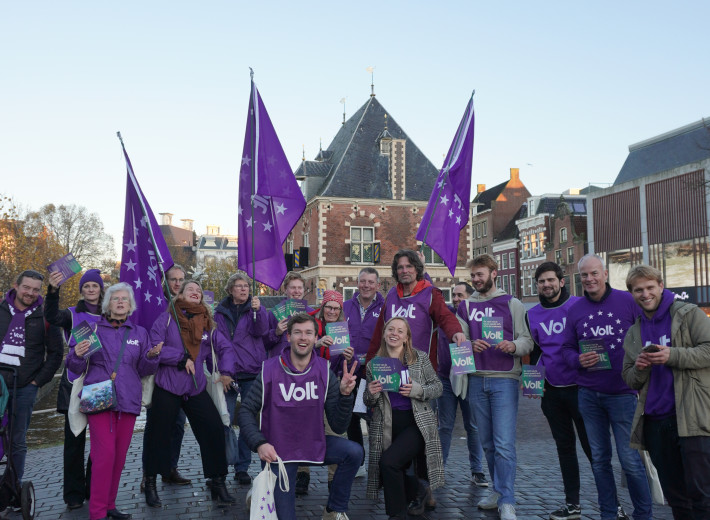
124 357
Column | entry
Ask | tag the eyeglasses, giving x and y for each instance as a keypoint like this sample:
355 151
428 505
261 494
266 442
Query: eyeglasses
331 308
176 280
31 273
120 298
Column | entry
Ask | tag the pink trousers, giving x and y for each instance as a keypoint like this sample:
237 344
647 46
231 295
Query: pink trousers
110 434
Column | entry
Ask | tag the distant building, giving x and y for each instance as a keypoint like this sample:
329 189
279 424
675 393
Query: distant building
657 213
213 246
180 240
507 255
366 195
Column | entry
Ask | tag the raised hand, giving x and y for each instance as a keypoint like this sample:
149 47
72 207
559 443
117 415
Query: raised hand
347 382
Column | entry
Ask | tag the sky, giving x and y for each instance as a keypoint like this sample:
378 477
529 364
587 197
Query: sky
562 90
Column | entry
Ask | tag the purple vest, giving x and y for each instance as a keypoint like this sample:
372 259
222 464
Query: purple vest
548 326
414 309
76 318
490 359
292 410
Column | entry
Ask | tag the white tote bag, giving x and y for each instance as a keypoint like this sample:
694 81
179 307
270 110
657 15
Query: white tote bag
654 483
215 388
260 498
77 420
147 386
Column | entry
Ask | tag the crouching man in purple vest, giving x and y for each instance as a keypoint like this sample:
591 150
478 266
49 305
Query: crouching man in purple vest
293 393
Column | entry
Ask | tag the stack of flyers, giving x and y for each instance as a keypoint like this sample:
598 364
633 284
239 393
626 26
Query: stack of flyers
341 337
287 308
533 380
462 361
492 329
209 298
85 331
387 371
597 345
67 265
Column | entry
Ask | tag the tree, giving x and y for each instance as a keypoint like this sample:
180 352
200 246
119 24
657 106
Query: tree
214 275
77 231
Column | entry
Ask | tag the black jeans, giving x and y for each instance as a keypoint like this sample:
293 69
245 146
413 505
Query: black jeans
206 425
399 485
77 482
560 406
177 432
683 466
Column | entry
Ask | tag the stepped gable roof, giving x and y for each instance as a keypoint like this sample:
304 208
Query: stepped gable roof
684 145
355 167
485 198
511 228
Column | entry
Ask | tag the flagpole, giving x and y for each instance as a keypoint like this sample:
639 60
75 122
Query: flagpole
163 279
252 139
457 140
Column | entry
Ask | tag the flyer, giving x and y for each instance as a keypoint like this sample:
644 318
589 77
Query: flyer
341 336
462 361
533 380
67 265
597 345
85 331
387 371
492 329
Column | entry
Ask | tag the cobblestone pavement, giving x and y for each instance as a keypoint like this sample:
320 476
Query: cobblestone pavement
538 484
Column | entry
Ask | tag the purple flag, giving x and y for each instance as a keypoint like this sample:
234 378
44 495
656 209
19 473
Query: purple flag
145 255
270 200
447 212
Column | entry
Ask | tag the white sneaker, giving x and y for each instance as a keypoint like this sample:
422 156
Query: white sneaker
362 472
490 501
507 512
334 515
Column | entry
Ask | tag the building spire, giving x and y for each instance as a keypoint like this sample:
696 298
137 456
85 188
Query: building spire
342 100
304 152
371 70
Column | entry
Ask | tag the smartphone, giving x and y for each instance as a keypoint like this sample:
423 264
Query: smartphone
651 348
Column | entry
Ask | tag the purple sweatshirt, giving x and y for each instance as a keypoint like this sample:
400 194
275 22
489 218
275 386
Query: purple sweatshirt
660 400
608 319
274 343
361 330
178 381
134 363
548 326
245 336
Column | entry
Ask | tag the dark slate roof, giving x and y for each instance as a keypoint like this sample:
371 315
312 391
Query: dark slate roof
357 169
313 169
485 198
511 228
577 205
685 145
216 243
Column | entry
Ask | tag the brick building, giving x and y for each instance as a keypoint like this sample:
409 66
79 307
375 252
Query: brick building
366 195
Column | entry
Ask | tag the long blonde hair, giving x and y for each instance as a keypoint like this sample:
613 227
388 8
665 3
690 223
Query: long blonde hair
408 355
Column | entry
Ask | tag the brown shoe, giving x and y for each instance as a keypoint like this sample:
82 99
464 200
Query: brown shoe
175 478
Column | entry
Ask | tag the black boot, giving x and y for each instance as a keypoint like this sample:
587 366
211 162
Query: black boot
151 492
220 493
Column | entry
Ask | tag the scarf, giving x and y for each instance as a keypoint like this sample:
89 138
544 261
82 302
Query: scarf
193 320
13 343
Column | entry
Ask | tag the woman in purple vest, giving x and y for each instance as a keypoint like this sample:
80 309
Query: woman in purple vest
88 308
124 357
403 427
180 382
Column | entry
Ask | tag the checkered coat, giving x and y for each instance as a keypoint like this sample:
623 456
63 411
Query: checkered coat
426 386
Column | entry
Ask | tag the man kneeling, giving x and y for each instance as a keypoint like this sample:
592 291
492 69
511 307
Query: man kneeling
293 393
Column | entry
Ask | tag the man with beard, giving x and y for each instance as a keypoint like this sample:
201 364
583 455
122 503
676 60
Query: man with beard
548 320
668 360
494 385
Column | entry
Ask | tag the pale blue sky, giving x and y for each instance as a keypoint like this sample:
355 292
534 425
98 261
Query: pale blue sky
562 86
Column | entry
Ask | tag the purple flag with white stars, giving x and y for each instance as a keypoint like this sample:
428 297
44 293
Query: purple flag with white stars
145 257
270 199
448 209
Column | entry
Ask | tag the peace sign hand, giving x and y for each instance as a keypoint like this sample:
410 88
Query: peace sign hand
347 382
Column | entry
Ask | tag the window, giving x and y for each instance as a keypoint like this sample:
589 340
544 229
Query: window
525 285
446 293
578 291
348 292
485 228
504 265
289 246
534 247
478 230
497 282
430 256
558 256
511 260
513 288
533 285
497 257
485 250
362 244
504 284
570 255
563 235
306 240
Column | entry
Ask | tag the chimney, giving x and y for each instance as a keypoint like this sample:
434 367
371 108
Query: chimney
515 174
481 188
213 230
187 223
167 219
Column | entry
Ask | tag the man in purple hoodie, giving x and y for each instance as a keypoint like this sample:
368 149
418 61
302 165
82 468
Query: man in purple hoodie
548 321
668 360
597 325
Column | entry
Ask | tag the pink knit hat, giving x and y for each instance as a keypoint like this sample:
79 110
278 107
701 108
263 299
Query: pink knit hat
332 296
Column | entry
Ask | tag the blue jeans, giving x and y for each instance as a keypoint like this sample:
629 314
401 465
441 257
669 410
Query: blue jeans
21 416
338 450
616 411
243 451
447 416
495 406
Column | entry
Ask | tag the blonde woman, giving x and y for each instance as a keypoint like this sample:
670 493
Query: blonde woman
403 428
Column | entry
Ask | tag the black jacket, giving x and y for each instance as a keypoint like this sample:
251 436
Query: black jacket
44 347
